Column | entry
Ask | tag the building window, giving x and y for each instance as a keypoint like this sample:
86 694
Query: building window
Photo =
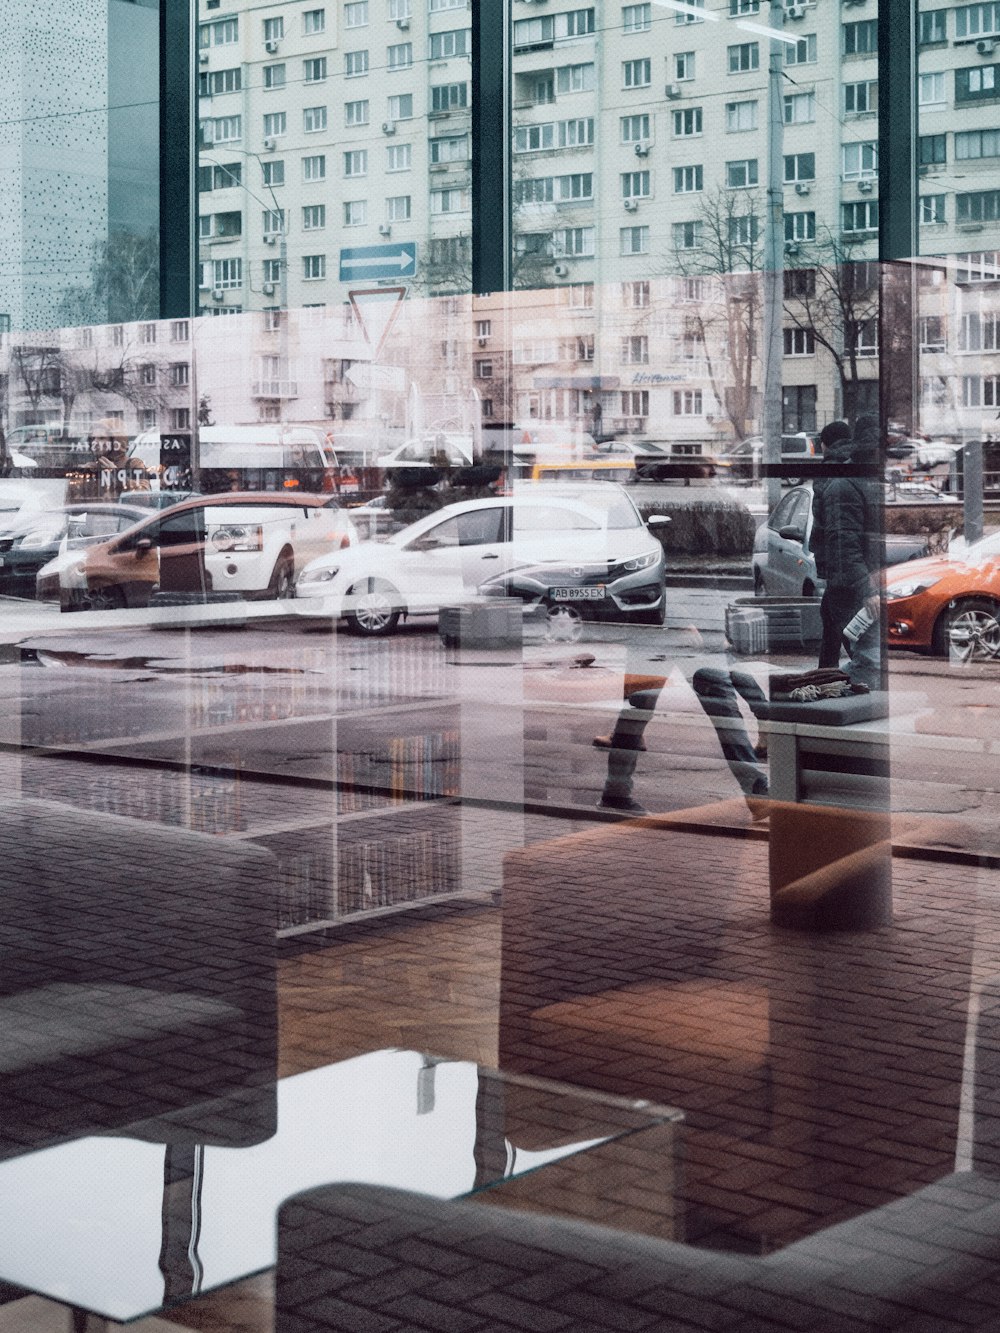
744 57
221 129
356 14
313 119
635 129
274 221
931 334
573 242
803 52
273 172
313 267
799 342
635 402
740 116
271 270
274 29
861 216
400 56
219 177
356 113
932 150
635 350
274 77
313 22
634 240
981 20
932 26
401 107
580 295
744 230
687 123
978 332
635 184
637 18
800 226
483 370
859 161
437 6
932 209
637 73
931 92
861 99
800 109
314 70
444 45
450 148
976 84
683 66
635 295
576 79
743 8
860 39
687 180
484 328
741 173
449 96
313 217
977 206
180 375
220 81
180 331
356 162
314 168
147 418
180 418
399 157
147 374
227 273
117 332
691 12
799 283
147 333
976 143
687 403
397 208
799 167
221 32
400 9
275 124
355 64
798 408
455 200
687 235
355 212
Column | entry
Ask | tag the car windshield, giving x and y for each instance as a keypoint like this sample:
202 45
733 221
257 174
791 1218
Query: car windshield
606 497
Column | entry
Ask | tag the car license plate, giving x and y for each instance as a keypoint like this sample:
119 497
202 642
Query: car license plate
594 594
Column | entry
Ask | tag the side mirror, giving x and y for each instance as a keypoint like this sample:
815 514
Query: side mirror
792 534
143 546
427 543
657 520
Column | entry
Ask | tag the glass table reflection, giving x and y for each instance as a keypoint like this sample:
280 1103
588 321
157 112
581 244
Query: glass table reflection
121 1228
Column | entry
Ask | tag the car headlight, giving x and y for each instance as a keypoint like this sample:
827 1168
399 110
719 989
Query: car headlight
640 561
909 588
317 575
35 540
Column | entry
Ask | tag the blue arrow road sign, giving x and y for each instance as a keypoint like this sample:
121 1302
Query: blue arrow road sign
395 260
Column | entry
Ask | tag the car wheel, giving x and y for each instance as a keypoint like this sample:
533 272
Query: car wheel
375 610
759 586
563 624
282 583
970 631
103 599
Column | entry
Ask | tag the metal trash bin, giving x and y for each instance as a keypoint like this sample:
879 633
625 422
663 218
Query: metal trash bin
493 622
762 624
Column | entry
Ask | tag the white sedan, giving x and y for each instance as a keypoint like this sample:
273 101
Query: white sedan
597 553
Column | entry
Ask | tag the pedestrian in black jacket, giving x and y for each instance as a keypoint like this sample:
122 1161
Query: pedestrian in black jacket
847 545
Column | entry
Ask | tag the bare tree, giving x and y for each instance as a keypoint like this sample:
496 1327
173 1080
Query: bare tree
724 244
123 283
834 295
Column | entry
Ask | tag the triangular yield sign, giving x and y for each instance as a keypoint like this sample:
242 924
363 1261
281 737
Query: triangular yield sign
375 309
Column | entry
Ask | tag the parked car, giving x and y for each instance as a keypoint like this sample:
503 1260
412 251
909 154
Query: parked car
594 554
948 604
248 543
745 462
433 450
36 538
783 562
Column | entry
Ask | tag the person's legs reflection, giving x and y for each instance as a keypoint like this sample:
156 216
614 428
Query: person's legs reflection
716 689
624 745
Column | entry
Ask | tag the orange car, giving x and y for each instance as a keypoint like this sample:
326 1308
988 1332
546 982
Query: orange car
948 603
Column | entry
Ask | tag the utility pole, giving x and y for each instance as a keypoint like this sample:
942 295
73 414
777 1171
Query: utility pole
774 254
